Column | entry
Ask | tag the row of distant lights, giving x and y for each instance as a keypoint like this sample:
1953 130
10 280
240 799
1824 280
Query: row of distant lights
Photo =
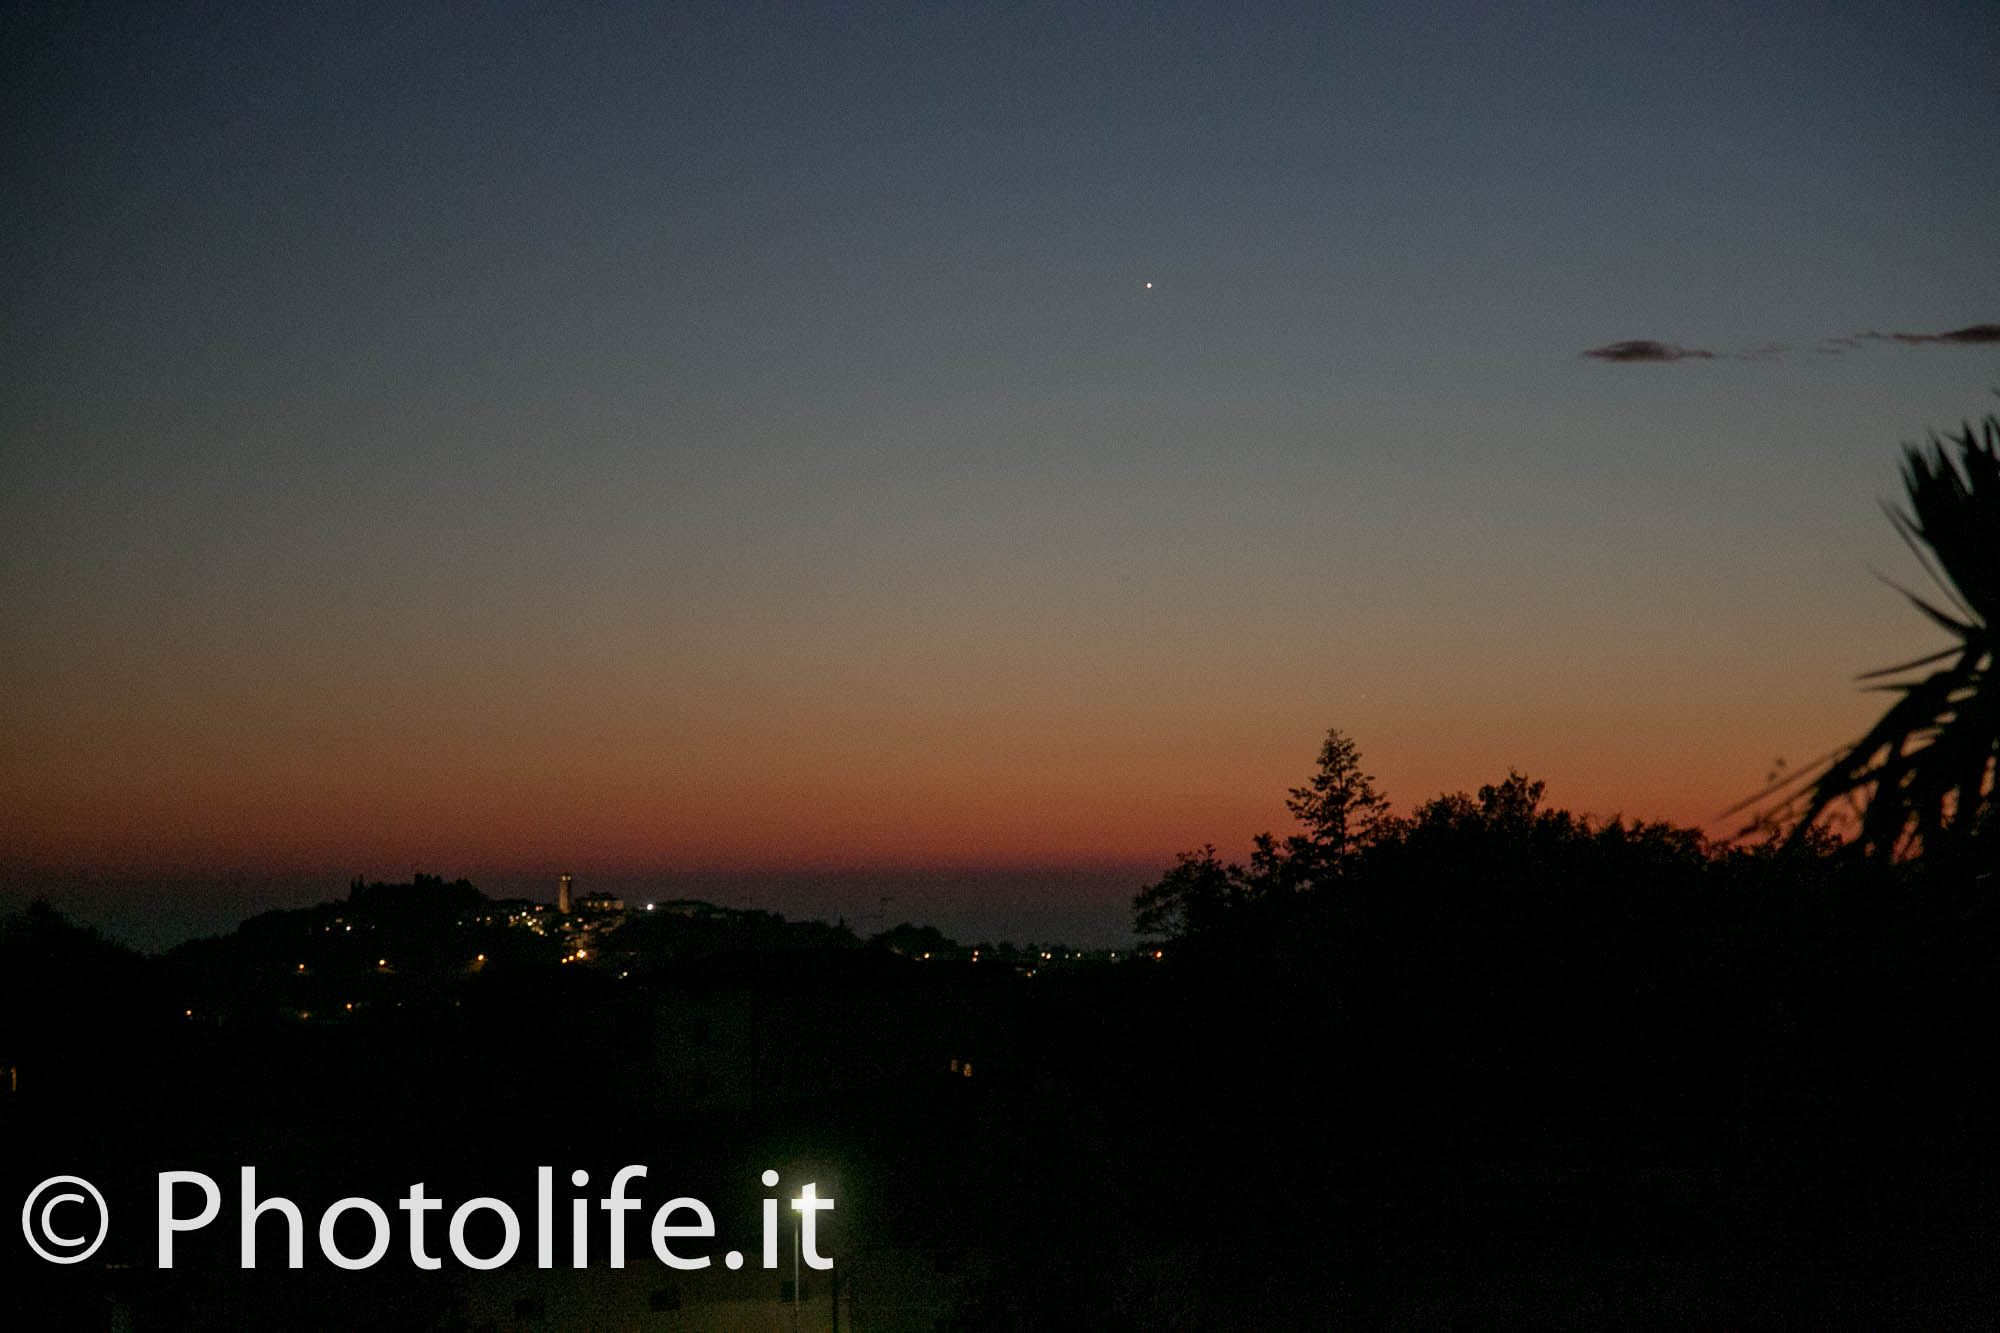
582 955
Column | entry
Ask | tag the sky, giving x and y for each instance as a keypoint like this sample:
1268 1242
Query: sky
964 452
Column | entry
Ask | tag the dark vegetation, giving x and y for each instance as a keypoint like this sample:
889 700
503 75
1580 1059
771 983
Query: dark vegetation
1921 781
1523 1069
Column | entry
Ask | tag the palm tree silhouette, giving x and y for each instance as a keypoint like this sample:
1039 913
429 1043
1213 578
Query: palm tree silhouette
1924 775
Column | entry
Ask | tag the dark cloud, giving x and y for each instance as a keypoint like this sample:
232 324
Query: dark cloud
1977 333
1645 349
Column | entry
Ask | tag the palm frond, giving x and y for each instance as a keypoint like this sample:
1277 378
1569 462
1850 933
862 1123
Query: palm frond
1897 670
1926 772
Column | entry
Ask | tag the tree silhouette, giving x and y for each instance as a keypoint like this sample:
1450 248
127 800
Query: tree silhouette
1925 772
1342 815
1340 808
1191 899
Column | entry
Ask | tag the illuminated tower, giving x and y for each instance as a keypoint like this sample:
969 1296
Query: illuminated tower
562 895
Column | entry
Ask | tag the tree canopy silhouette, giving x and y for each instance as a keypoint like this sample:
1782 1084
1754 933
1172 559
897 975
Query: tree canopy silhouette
1339 807
1342 816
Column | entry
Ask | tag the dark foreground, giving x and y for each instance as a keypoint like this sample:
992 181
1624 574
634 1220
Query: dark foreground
1639 1089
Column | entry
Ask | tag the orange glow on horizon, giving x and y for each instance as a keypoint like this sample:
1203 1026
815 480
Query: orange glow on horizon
1034 820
